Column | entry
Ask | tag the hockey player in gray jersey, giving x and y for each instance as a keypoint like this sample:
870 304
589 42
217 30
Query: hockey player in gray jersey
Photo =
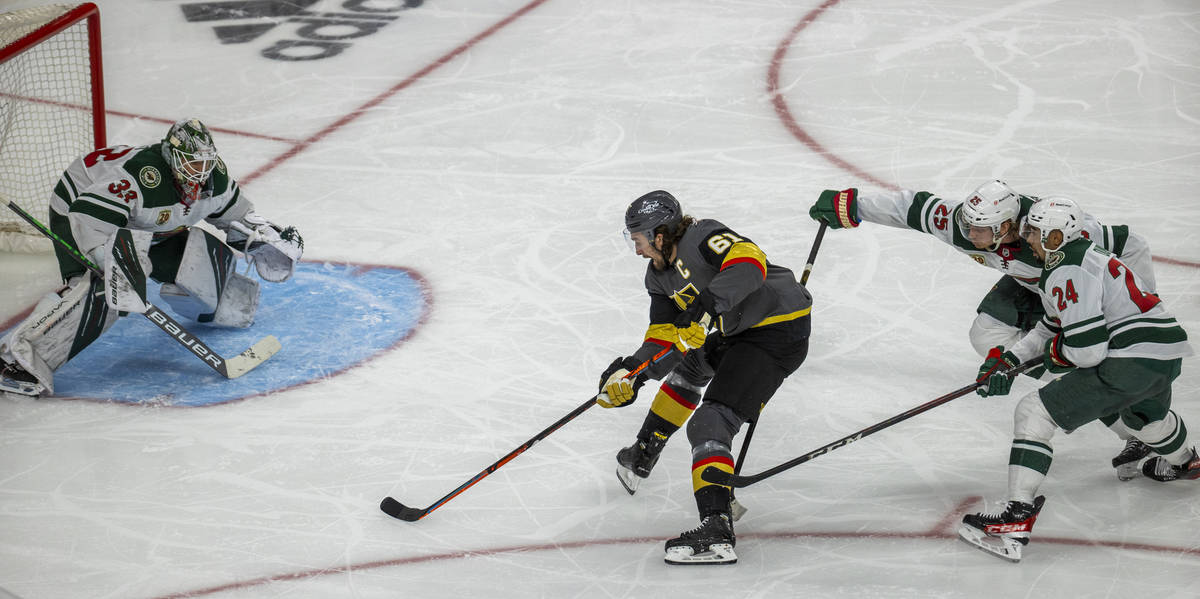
702 274
152 196
986 227
1120 349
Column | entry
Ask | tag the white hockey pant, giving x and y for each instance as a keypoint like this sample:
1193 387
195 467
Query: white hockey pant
207 287
62 324
987 332
1032 430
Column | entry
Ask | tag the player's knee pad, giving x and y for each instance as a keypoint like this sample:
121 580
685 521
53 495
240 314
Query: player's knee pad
988 332
692 373
207 288
1031 420
713 422
62 324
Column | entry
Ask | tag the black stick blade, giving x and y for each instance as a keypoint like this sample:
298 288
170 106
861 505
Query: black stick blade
399 511
716 476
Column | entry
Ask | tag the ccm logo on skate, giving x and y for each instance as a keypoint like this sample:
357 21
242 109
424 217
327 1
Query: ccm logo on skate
1004 528
321 33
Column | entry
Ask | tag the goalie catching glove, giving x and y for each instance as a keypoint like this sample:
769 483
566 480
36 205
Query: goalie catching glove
273 250
994 372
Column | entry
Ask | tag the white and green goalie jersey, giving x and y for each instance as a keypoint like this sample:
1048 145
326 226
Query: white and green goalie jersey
1102 309
132 187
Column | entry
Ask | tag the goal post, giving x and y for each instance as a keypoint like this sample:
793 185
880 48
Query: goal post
51 108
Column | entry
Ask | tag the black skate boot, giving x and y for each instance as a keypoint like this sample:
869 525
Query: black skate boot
16 380
635 462
710 543
1161 470
1002 534
1126 462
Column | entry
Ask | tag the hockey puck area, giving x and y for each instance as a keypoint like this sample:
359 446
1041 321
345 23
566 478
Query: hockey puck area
328 317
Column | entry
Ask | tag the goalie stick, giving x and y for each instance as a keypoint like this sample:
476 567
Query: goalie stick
720 477
400 511
229 368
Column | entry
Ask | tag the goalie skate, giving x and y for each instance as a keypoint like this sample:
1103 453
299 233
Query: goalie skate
14 380
1003 535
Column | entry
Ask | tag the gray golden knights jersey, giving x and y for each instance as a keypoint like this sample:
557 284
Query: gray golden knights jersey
132 187
748 290
925 212
1103 311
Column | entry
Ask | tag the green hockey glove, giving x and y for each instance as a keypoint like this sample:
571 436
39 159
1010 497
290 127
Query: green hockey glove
1053 359
838 209
995 372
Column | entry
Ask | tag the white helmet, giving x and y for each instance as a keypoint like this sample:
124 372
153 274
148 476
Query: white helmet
990 205
1056 213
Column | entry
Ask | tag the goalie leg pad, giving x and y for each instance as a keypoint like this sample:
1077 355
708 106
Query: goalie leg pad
126 262
61 325
205 269
238 304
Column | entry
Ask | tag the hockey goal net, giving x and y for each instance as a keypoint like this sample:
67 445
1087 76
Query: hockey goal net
51 108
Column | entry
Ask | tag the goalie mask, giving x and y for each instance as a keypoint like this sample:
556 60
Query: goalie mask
189 149
647 213
1054 213
989 206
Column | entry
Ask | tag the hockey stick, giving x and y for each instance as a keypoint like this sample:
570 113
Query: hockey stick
229 368
720 477
738 508
400 511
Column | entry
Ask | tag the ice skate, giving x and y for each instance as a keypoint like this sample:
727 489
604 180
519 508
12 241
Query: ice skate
635 462
1128 461
15 380
1159 469
1005 534
710 543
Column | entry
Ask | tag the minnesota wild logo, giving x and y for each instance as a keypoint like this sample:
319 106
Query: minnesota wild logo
149 177
1053 259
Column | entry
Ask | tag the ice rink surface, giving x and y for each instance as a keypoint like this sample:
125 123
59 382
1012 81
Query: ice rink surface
492 147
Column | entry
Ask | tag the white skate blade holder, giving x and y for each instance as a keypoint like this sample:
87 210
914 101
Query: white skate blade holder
1003 547
628 479
717 554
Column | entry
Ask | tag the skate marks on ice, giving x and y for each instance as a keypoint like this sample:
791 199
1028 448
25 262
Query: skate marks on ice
760 548
328 317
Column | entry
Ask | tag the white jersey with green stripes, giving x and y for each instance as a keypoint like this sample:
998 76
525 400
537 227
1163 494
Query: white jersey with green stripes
1103 310
132 187
928 213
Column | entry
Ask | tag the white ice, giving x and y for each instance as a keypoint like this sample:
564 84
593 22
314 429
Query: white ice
492 147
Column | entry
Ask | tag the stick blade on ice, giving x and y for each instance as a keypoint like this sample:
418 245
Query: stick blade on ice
253 356
400 511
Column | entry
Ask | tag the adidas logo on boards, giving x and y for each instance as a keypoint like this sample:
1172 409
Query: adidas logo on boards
318 33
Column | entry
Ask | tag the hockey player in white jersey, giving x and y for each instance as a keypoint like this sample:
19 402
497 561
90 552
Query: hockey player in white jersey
986 227
1120 350
150 197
